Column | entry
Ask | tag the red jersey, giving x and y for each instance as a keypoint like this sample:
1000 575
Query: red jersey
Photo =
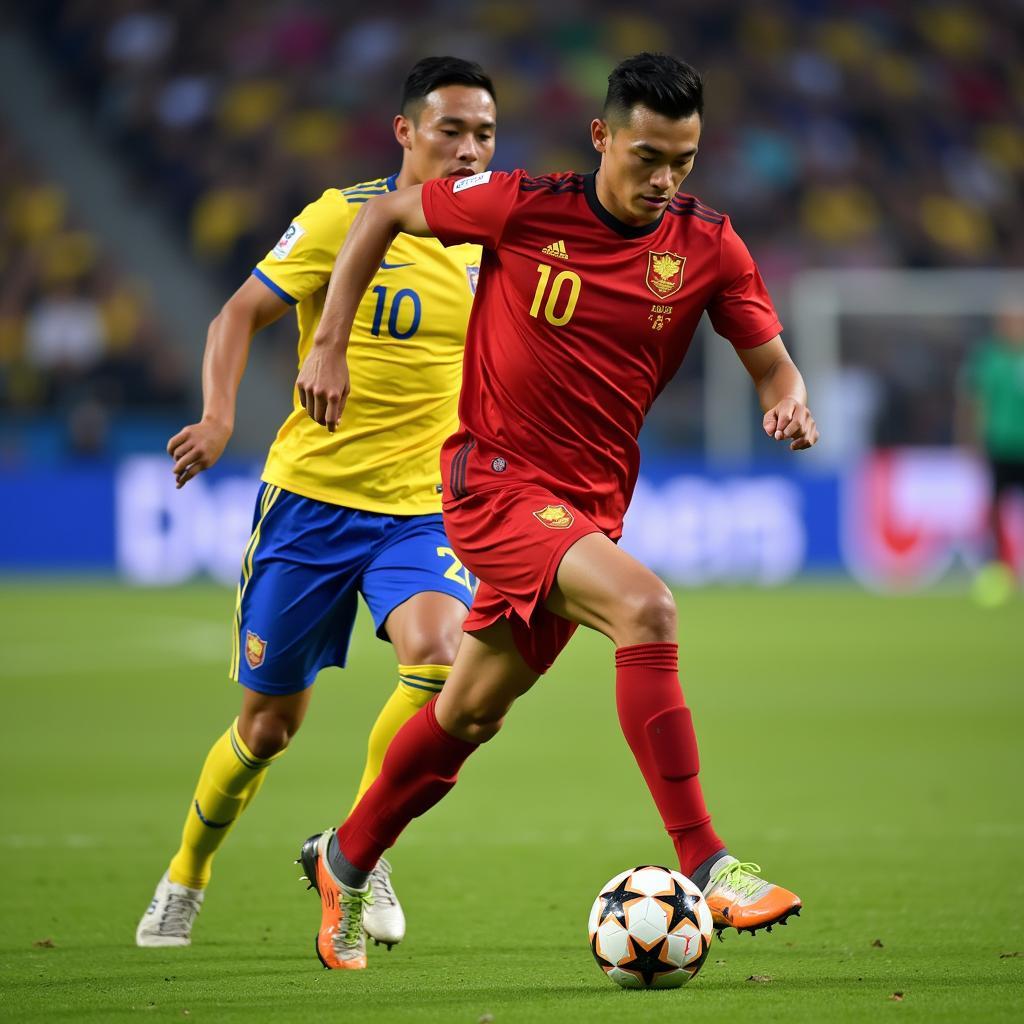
579 322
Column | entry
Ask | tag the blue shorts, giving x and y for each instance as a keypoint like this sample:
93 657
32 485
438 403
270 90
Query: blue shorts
303 568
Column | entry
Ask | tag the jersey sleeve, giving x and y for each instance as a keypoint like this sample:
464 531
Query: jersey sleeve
301 262
474 209
741 310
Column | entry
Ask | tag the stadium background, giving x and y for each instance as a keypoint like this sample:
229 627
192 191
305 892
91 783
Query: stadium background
151 153
147 165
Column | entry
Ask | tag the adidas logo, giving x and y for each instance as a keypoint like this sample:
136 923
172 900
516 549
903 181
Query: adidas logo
556 249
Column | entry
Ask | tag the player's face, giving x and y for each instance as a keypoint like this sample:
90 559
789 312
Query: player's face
643 162
451 136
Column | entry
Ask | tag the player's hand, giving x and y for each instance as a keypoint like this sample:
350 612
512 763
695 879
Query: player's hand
195 448
791 421
323 385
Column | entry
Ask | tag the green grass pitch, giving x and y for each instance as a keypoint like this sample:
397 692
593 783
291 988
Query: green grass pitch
867 751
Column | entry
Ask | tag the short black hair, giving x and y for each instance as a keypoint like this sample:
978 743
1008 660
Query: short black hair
658 81
435 72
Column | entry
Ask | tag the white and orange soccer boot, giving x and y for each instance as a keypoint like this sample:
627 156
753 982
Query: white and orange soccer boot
340 942
740 899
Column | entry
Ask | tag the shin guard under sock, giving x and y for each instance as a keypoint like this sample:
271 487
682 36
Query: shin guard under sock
231 777
658 727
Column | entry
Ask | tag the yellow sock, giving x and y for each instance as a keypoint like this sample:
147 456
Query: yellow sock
230 778
416 685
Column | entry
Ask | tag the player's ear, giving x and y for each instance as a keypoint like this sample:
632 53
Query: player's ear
600 134
404 129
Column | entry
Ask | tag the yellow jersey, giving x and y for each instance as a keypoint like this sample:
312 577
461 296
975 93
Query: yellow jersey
404 360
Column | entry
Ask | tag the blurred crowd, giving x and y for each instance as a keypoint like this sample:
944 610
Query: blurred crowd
864 133
78 339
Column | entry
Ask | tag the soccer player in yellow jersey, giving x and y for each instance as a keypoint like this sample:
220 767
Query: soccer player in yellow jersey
341 512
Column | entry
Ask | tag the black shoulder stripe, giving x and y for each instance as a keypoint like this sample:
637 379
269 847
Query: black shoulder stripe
697 214
692 203
573 190
692 199
573 183
553 179
565 186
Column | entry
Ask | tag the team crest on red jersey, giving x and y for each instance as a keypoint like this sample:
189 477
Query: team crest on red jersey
555 517
665 273
255 649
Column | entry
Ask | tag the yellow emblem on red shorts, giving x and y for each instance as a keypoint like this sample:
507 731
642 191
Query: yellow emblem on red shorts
556 517
255 649
665 273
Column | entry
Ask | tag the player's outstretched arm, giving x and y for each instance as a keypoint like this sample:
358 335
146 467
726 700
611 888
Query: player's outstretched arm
199 445
323 381
782 392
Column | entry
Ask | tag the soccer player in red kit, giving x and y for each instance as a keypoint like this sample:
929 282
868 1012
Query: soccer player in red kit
590 290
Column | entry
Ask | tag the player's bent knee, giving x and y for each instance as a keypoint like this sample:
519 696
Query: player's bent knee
430 647
671 738
436 650
477 725
481 732
648 616
267 733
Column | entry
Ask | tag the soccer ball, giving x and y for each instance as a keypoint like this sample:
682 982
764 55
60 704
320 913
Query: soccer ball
650 928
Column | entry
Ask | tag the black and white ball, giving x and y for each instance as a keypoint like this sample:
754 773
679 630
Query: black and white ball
650 927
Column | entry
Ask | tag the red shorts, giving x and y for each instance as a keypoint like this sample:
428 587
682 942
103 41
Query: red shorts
513 539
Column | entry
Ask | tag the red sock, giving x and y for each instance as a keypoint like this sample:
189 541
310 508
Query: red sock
420 767
658 728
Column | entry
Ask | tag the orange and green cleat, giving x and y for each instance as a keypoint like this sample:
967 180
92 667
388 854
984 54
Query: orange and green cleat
340 942
739 899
